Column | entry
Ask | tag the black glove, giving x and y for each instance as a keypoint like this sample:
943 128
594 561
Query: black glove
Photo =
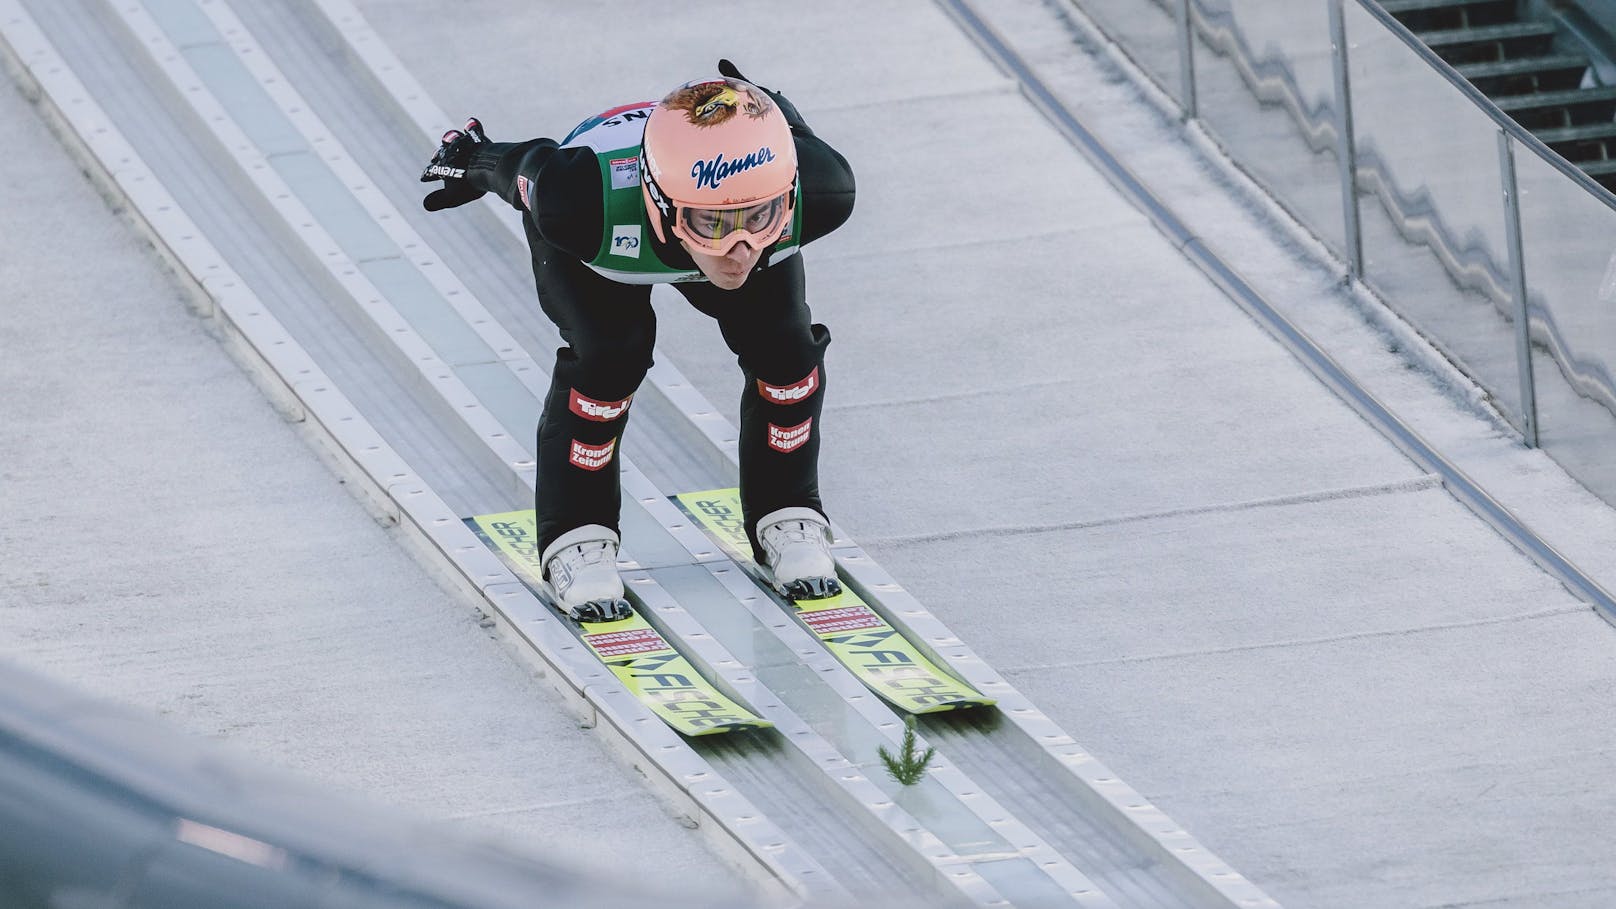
800 126
726 68
449 165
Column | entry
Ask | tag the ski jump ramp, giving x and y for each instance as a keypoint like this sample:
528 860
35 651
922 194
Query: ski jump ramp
1236 636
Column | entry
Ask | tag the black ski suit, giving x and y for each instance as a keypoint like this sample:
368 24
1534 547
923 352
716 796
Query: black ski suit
609 329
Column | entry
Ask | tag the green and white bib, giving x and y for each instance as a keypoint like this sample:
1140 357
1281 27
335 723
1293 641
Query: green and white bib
626 253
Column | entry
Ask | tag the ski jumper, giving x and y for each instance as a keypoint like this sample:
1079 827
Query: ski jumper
595 257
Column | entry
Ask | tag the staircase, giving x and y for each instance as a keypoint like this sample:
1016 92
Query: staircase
1529 68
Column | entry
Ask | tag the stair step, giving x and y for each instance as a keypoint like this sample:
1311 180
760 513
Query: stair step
1396 7
1488 43
1554 72
1523 66
1586 133
1568 98
1508 32
1605 168
1433 15
1558 110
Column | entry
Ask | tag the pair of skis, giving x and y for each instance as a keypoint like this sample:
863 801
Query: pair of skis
662 678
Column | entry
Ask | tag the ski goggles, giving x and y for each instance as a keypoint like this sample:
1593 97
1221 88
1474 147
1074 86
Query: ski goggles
715 231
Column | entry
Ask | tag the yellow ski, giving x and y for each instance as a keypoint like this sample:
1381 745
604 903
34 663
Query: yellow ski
867 644
650 667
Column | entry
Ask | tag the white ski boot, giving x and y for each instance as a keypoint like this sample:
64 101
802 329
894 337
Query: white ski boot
796 547
580 568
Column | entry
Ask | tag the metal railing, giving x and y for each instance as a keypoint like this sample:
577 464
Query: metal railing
1497 250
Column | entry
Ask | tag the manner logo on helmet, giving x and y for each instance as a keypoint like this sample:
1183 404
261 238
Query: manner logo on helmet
625 241
598 411
787 394
716 170
591 457
523 188
789 438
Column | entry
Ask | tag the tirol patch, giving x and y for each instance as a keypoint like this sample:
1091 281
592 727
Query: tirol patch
523 188
789 438
598 411
626 241
625 172
591 457
790 394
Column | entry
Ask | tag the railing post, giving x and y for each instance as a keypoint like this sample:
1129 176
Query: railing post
1517 273
1346 147
1186 59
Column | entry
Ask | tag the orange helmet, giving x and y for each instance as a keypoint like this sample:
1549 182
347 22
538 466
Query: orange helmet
719 166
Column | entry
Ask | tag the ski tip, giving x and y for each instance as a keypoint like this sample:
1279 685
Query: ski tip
964 703
737 726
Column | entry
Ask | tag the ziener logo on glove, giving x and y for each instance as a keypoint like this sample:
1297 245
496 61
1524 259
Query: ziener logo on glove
590 457
789 438
598 411
785 394
445 172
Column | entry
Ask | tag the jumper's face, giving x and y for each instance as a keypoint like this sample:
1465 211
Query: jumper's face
730 270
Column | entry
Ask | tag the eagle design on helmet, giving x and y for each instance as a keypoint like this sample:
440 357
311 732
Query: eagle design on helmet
717 102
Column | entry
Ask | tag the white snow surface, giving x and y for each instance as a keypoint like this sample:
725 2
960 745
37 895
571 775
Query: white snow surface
1072 447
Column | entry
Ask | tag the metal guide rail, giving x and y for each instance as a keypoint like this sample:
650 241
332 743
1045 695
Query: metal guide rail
981 838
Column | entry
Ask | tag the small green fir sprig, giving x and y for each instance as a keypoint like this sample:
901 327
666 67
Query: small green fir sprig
907 767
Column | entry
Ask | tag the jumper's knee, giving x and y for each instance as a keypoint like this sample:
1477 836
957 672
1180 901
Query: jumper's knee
611 364
790 356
